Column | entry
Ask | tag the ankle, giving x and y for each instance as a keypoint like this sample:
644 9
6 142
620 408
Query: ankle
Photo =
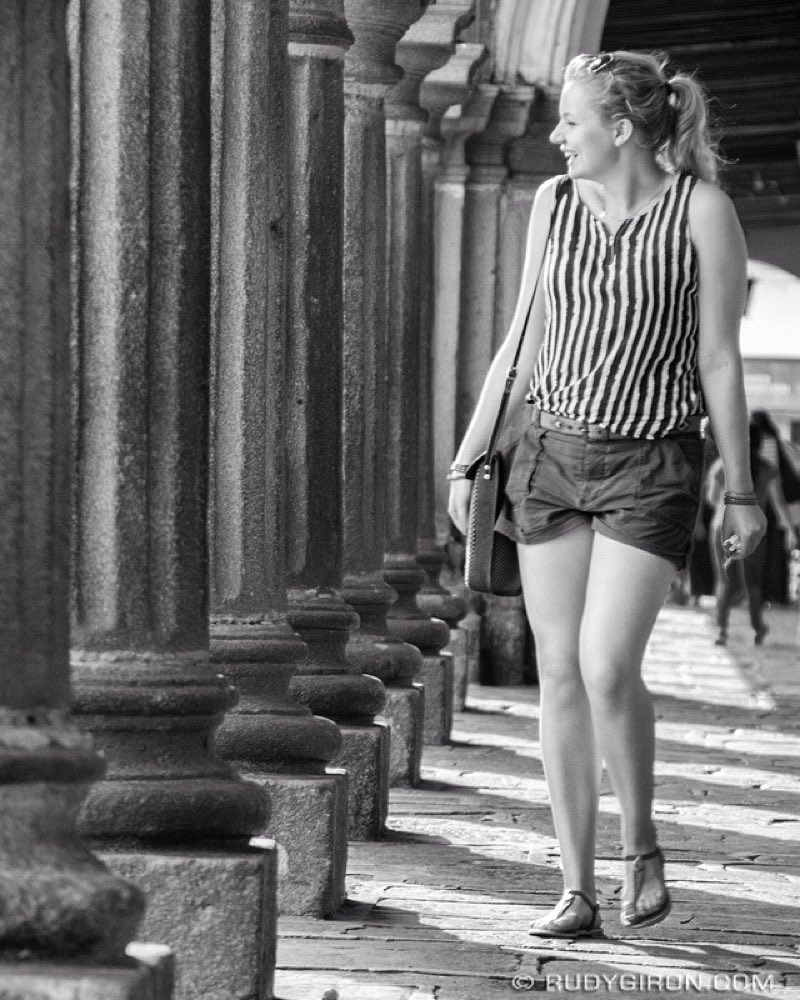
588 897
643 840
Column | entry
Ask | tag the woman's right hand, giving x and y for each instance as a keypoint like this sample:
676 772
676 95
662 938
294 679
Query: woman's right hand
458 504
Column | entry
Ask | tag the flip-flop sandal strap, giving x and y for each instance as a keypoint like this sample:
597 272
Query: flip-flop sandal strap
577 892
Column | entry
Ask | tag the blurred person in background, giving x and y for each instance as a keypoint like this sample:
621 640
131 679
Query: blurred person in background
767 484
777 451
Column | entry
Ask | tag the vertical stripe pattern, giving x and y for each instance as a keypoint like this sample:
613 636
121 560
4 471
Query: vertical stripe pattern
621 317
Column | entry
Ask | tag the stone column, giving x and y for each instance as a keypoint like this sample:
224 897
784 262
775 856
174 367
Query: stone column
171 815
65 920
505 625
327 682
275 740
457 125
421 56
459 109
369 72
405 121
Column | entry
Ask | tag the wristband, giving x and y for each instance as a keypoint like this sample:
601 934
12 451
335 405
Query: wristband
457 471
461 471
740 499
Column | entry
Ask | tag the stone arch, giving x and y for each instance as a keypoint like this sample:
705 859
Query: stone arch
534 39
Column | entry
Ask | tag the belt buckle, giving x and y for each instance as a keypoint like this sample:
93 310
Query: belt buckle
597 432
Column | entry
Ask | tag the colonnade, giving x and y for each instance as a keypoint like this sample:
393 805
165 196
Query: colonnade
279 268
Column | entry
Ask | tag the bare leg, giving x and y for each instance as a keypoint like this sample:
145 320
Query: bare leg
554 577
624 592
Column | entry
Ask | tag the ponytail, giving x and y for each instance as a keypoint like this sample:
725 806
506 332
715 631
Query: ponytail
690 147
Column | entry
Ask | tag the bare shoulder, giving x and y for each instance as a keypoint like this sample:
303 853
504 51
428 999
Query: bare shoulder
715 229
547 190
709 205
543 202
546 196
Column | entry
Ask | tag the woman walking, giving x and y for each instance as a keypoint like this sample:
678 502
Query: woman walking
633 336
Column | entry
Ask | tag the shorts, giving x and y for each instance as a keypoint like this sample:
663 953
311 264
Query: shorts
638 491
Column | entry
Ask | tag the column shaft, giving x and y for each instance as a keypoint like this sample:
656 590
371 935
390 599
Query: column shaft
406 620
144 685
327 683
140 630
275 740
442 84
57 901
471 115
369 72
433 598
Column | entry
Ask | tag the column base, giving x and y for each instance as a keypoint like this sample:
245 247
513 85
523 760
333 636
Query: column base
405 713
437 677
216 909
365 757
503 653
311 867
471 627
458 648
150 979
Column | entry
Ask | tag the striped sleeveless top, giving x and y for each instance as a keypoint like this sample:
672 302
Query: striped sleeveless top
621 317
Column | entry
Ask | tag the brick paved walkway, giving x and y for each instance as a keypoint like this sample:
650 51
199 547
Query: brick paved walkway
440 908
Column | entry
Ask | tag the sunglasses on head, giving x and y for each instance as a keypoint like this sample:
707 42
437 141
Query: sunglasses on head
602 61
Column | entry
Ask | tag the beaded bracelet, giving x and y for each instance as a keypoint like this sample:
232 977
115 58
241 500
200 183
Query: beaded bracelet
740 499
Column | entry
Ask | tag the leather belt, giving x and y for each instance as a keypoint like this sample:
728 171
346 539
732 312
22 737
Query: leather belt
599 432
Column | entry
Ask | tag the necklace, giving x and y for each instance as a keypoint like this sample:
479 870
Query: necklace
605 214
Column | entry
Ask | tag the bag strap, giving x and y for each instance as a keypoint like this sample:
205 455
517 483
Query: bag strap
512 371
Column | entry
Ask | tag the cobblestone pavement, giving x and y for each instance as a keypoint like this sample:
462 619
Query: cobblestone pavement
440 908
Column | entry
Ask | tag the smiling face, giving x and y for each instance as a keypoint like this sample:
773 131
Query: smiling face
586 140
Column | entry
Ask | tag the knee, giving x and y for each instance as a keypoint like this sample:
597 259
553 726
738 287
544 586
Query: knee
608 682
559 672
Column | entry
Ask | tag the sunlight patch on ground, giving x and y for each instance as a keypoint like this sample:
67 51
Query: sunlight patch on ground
730 776
744 741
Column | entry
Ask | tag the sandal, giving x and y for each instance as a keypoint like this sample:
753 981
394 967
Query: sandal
564 925
634 876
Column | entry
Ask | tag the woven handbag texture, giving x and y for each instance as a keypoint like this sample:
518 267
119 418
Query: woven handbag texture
492 566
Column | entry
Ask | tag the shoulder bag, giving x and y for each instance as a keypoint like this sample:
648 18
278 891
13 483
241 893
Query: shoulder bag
492 566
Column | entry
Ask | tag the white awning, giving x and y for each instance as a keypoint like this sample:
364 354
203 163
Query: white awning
771 325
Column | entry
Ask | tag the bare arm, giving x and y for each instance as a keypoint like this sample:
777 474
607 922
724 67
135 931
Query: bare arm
722 259
480 426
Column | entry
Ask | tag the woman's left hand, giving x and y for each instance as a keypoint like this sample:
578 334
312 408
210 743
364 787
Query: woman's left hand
743 527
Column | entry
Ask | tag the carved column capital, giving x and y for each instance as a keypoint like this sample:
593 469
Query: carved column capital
427 45
487 151
459 124
532 157
376 26
451 85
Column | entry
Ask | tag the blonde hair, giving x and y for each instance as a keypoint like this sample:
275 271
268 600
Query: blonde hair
668 112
